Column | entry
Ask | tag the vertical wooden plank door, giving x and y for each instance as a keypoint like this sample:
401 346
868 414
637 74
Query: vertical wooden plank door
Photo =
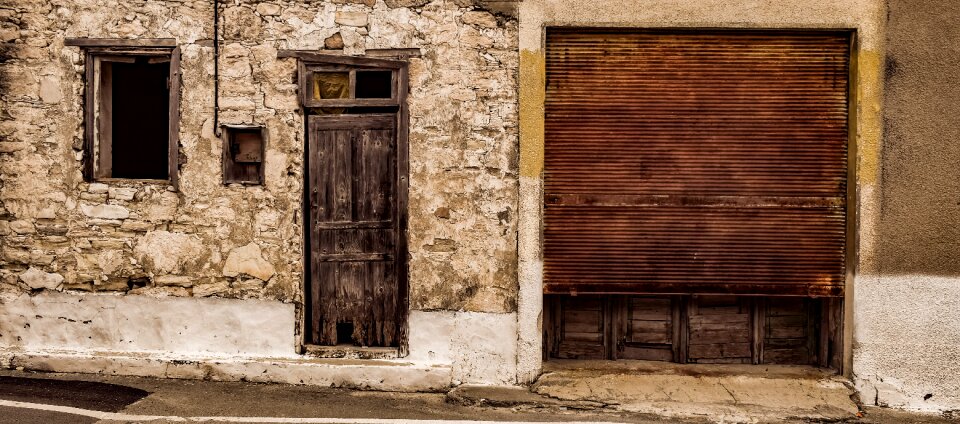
354 228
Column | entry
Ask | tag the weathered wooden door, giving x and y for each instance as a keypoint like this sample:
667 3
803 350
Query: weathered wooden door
354 229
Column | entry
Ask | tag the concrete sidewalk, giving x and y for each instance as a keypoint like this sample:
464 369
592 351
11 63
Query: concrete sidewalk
714 393
738 393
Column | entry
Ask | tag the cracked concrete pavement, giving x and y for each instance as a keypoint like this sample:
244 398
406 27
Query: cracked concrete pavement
729 392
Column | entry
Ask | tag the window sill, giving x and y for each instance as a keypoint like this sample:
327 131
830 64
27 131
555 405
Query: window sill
345 351
120 181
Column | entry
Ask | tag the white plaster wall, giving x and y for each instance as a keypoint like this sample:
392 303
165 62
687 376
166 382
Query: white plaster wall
907 332
171 325
481 347
430 335
530 268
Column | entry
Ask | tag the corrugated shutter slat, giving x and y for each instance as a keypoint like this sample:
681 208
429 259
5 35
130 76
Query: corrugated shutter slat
696 162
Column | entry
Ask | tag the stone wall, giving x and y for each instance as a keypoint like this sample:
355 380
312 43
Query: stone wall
59 233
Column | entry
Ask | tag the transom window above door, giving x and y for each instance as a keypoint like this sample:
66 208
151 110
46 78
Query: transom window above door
334 86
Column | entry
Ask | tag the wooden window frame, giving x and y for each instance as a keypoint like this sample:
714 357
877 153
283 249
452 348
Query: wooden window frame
97 108
227 132
311 63
308 71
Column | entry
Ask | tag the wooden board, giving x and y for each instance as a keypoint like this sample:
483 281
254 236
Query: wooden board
720 330
694 329
646 328
580 328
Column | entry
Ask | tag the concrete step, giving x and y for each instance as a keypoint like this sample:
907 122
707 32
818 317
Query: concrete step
727 393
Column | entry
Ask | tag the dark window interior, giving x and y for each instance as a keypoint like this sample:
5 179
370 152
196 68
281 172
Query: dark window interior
141 101
374 84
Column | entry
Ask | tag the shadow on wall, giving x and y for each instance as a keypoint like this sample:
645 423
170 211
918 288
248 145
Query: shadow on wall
920 216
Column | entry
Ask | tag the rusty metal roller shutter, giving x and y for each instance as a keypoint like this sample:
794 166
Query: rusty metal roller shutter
696 162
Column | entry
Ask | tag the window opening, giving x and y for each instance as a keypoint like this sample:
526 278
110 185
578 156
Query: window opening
243 151
374 84
330 89
331 85
138 96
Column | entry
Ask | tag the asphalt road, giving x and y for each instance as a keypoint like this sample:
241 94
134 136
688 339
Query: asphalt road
139 399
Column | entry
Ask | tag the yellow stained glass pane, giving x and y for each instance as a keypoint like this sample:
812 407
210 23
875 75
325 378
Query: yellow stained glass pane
331 85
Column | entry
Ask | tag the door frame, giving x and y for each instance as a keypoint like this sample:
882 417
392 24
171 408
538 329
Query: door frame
399 66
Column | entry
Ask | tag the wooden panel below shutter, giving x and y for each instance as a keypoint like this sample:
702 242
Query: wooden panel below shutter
696 162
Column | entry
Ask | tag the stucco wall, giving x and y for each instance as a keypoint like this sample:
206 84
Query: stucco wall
907 351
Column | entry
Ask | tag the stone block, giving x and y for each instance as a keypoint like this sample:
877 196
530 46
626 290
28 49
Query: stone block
164 253
108 244
11 146
122 193
268 9
204 290
248 260
354 19
249 284
94 197
134 225
98 188
39 279
479 18
39 258
50 90
22 227
406 3
334 42
104 211
174 280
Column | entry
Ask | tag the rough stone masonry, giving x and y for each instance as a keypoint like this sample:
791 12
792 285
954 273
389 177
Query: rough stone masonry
207 239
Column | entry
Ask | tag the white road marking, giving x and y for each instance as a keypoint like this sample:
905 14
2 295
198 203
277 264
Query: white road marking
116 416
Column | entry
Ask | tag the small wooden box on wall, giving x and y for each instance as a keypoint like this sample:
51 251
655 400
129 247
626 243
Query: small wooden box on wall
243 153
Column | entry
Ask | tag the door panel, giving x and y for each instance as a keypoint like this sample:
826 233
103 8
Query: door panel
353 230
579 329
646 328
720 330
